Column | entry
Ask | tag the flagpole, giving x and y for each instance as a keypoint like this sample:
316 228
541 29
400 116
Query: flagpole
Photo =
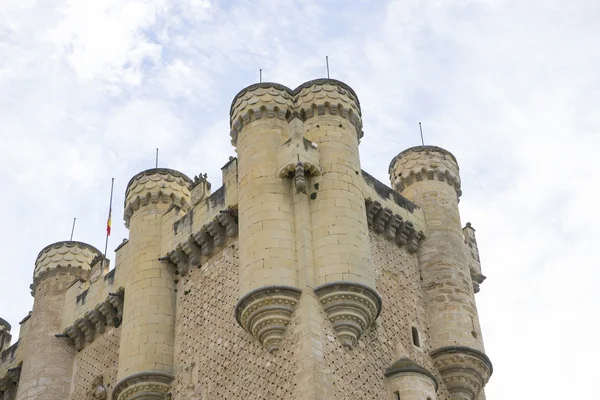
73 229
109 222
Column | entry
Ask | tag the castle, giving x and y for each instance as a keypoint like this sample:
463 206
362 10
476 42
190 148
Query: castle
301 277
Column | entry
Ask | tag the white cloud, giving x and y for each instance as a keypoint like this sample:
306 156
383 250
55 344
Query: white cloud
510 87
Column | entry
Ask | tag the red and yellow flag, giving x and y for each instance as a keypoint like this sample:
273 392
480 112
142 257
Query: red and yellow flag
108 222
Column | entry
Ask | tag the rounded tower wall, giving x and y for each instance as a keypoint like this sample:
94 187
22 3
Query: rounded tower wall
48 363
429 176
332 115
148 329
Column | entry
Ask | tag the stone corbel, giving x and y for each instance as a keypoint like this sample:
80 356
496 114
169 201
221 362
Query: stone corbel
7 388
77 336
98 319
266 312
217 231
117 302
228 219
180 259
393 226
110 313
205 241
350 307
87 327
192 250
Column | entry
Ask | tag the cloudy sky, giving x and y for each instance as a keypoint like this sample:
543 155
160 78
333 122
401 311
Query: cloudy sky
89 89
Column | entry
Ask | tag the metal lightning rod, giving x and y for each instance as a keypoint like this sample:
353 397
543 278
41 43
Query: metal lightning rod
73 229
327 63
421 129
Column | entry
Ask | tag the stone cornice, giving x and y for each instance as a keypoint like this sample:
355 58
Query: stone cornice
272 100
406 365
464 350
350 307
266 312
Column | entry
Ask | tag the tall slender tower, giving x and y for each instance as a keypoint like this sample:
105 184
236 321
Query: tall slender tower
148 328
429 176
48 360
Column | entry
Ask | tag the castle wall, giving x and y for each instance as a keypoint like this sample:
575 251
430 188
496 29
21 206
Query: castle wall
212 352
98 359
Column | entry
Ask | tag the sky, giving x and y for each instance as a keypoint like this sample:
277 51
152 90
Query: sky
89 90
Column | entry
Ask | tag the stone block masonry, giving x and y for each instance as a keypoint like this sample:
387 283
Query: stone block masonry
301 278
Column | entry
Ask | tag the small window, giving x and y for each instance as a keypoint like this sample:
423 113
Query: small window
415 337
397 395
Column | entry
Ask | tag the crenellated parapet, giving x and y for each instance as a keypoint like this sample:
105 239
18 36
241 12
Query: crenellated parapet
312 98
64 258
157 185
424 163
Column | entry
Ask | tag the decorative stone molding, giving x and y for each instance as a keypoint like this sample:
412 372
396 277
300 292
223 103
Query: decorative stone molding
473 255
203 242
272 100
351 307
393 226
158 185
406 365
199 188
464 370
98 391
109 312
150 385
424 163
65 255
266 312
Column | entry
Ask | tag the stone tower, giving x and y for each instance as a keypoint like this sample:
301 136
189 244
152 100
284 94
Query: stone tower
148 327
48 361
302 277
429 176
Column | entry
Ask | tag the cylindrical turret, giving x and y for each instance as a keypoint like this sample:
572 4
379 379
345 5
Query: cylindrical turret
407 380
148 327
5 335
268 288
429 176
48 360
332 119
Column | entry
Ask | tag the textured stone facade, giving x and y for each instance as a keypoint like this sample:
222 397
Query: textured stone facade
302 277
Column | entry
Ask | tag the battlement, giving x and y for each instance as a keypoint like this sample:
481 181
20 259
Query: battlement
62 257
273 100
424 162
157 185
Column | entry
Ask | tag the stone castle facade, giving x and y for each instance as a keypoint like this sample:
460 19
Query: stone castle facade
302 277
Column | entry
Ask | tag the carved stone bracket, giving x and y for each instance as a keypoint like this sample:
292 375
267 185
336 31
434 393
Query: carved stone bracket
151 385
266 312
351 308
77 336
9 383
464 370
393 226
204 242
109 312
